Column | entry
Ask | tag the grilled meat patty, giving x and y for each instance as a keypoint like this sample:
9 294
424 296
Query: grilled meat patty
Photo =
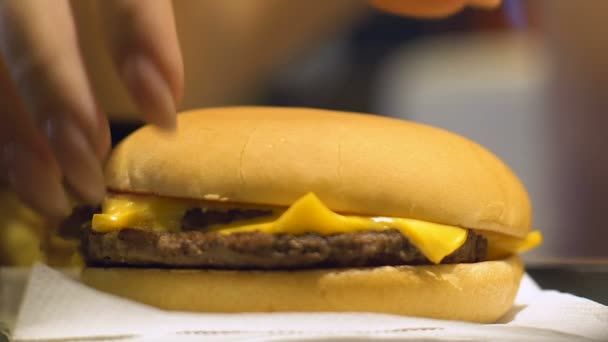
257 250
197 247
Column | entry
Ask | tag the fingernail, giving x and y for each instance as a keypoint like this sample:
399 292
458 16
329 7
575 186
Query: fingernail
81 168
36 184
151 91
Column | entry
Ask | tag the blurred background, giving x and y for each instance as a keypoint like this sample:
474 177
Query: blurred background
527 80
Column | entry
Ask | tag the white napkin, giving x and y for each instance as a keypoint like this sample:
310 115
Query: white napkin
56 307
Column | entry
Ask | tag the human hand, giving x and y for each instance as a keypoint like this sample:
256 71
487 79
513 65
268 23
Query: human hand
53 134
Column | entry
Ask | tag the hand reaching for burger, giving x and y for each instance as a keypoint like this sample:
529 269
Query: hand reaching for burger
53 134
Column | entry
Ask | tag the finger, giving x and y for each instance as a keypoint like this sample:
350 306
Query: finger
484 3
430 8
105 138
26 161
146 52
38 42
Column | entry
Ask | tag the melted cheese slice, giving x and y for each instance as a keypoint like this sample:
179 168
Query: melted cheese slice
307 215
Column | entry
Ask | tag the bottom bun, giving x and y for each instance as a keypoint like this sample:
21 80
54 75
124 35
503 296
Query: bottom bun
477 292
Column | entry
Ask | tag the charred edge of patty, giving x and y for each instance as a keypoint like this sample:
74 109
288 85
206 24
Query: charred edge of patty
258 250
202 218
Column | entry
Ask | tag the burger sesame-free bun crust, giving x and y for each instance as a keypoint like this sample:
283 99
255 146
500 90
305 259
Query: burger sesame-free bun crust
478 292
355 163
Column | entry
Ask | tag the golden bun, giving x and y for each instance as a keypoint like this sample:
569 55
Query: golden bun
355 163
477 292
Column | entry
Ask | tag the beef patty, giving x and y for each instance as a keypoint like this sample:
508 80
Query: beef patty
257 250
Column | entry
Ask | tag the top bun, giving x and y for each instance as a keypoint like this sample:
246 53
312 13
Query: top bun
355 163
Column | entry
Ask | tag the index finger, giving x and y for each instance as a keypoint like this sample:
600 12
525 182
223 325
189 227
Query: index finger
143 41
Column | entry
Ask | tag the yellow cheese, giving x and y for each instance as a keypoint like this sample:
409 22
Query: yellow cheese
307 215
501 246
141 212
310 215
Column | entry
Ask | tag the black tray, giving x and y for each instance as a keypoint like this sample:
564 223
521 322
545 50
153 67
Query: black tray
584 278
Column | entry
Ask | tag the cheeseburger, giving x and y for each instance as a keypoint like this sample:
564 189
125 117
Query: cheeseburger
253 209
